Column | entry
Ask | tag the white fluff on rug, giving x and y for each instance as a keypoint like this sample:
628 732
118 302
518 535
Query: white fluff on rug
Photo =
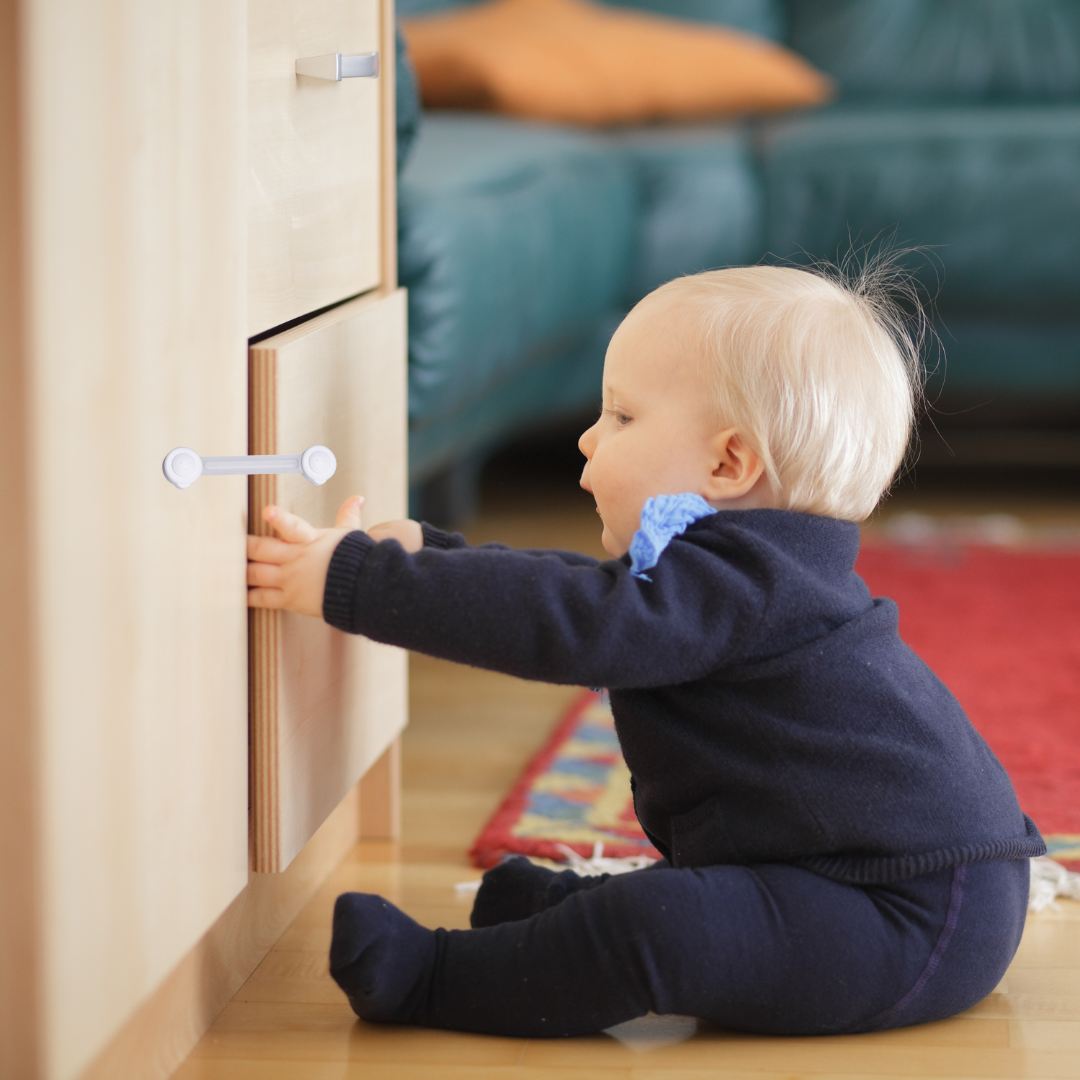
597 864
1049 880
594 866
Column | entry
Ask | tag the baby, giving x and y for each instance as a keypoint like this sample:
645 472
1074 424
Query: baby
842 851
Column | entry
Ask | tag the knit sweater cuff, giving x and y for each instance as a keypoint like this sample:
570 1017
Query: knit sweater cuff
345 565
436 538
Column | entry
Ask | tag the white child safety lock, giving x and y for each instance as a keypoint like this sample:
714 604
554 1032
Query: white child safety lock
183 466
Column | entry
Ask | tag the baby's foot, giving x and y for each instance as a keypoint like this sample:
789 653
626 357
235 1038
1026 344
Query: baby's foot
518 889
381 958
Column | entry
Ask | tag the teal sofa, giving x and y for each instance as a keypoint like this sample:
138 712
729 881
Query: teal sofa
957 127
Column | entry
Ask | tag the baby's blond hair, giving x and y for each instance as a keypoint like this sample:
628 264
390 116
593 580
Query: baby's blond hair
818 369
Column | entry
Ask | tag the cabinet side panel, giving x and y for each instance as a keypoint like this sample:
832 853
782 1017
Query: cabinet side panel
167 1025
20 1014
137 237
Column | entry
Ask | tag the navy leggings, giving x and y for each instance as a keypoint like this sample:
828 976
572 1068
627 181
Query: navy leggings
769 948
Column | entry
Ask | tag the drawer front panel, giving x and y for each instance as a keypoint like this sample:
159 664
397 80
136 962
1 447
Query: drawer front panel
313 156
324 705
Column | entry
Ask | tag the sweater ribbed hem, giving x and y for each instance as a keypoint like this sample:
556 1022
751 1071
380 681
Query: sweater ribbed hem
437 538
887 869
341 577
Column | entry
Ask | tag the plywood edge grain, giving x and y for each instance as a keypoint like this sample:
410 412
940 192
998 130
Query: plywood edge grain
264 627
167 1025
264 650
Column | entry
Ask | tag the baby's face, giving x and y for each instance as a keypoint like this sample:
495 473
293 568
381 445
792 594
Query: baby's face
655 434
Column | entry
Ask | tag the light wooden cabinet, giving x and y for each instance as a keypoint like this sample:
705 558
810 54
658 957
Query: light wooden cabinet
155 209
135 208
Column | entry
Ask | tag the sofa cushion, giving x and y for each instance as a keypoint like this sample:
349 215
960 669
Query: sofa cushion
513 237
943 49
996 191
583 62
699 199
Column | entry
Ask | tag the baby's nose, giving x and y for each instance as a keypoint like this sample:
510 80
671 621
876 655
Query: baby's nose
587 441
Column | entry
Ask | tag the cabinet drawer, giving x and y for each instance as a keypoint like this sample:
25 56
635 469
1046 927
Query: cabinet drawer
324 705
313 155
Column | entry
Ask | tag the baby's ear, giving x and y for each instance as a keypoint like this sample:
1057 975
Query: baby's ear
736 466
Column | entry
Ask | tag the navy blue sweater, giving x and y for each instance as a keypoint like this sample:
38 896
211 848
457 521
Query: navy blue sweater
766 707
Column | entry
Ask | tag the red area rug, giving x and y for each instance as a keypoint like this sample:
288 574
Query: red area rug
1001 628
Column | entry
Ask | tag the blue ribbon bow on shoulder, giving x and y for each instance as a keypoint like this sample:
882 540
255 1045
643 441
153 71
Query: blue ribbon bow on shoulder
663 517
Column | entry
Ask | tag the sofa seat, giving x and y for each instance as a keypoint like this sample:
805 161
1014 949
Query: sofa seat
523 245
514 237
1032 365
699 200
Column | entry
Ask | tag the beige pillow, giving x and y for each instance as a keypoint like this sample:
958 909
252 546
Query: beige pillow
576 61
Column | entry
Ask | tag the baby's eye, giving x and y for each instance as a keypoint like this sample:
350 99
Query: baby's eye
622 419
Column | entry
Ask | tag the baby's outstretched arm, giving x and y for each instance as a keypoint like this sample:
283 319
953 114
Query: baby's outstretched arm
290 572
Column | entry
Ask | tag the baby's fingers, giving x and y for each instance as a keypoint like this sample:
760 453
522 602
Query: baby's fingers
266 598
289 526
268 549
348 517
264 574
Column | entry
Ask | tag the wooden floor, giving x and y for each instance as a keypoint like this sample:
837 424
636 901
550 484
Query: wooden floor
470 734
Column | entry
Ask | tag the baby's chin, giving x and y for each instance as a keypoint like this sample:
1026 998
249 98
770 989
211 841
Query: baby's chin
614 547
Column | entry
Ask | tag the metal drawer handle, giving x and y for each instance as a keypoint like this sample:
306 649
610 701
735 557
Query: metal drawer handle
335 67
183 466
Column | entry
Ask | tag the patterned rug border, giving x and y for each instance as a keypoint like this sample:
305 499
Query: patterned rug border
495 840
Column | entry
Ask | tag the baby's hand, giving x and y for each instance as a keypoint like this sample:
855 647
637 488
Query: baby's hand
407 533
290 573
